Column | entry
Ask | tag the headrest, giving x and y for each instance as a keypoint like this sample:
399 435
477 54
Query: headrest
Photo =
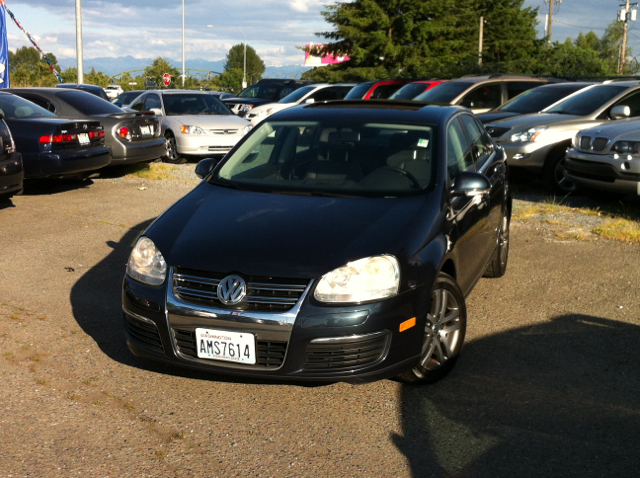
344 137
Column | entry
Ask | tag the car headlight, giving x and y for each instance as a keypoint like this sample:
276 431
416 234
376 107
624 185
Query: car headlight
626 147
185 129
146 263
246 107
247 128
530 134
364 280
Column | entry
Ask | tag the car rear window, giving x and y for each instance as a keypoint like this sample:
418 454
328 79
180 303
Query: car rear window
410 91
14 107
358 92
88 104
445 92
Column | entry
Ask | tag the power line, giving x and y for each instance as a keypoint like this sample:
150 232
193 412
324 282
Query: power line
579 26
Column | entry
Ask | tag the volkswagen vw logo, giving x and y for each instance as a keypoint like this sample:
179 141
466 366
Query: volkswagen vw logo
231 290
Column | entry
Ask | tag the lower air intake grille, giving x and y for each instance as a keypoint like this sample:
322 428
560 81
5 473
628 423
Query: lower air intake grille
266 294
270 354
144 332
346 354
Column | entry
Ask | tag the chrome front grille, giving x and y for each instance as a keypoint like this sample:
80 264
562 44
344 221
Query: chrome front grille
585 143
221 149
263 293
223 131
599 144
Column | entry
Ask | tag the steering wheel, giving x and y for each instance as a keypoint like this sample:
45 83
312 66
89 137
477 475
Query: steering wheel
414 181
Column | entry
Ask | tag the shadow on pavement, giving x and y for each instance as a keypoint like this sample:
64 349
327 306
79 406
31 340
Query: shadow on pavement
560 399
6 203
47 186
97 308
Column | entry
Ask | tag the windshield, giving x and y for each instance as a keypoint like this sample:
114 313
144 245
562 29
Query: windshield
297 95
588 101
194 104
536 99
410 91
267 91
333 158
127 97
88 104
358 92
444 92
14 107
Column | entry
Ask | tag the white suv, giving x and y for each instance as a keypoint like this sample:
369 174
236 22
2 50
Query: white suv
113 91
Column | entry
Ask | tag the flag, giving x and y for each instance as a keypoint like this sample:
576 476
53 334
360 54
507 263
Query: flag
4 49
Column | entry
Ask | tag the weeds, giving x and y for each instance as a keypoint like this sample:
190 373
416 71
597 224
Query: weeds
153 171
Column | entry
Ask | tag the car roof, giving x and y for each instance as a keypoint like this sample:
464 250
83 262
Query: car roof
175 92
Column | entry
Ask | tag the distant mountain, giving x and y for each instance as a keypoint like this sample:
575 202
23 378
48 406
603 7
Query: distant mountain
113 66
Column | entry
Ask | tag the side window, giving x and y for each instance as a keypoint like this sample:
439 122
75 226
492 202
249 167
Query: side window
486 96
632 101
481 145
284 92
325 94
458 152
152 101
138 104
514 88
383 92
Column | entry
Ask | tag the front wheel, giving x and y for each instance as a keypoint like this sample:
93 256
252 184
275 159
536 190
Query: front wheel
497 265
553 173
444 333
171 154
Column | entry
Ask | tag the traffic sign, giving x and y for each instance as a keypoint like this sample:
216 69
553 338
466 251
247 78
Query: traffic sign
166 79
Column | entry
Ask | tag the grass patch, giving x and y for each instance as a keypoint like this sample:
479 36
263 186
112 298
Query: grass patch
154 171
619 229
574 235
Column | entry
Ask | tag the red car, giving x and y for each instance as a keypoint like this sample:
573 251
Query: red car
413 89
375 90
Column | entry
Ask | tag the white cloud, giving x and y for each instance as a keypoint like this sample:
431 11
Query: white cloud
299 6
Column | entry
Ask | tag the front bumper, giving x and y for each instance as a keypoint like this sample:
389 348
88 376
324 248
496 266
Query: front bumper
42 165
137 151
160 326
607 172
206 144
529 155
11 174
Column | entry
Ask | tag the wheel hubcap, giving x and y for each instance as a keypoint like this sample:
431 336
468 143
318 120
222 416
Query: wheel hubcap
442 331
171 148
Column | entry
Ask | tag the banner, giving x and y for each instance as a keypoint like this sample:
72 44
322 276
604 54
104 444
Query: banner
312 60
4 49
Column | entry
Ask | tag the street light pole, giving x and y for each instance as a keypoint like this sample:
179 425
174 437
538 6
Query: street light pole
79 42
183 70
244 38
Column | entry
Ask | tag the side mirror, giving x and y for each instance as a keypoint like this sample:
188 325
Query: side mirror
204 167
470 184
156 111
620 112
309 101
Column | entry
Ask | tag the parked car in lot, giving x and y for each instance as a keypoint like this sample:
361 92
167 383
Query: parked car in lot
537 143
222 95
606 157
336 241
125 99
194 123
93 89
132 137
265 91
375 90
480 93
307 94
533 101
53 146
11 172
413 89
113 91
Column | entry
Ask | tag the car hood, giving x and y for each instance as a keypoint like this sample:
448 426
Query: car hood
274 107
627 128
534 119
210 121
489 118
225 230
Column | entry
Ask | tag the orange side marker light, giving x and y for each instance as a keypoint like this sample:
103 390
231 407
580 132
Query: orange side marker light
407 324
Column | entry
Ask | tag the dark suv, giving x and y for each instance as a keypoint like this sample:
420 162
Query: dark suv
268 90
335 242
11 173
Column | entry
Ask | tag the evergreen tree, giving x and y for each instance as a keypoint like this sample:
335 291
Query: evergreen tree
235 61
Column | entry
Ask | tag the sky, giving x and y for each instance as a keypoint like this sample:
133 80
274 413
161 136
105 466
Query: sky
152 28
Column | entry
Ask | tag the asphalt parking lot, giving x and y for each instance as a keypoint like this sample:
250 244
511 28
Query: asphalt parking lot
547 384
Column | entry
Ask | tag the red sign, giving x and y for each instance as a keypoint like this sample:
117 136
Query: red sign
311 60
166 79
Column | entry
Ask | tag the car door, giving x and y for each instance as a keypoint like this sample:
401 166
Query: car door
469 214
492 165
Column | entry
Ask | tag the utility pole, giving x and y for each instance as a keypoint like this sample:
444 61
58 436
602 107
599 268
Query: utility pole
79 41
183 70
624 16
550 18
480 41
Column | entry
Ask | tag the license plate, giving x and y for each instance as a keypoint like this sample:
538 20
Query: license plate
146 130
226 346
83 138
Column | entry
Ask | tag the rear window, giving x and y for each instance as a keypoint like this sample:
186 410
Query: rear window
445 92
14 107
88 104
410 91
358 92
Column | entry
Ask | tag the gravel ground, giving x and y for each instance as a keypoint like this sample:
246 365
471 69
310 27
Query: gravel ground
547 384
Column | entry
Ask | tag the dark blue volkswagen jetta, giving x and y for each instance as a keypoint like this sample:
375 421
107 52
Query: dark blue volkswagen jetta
336 241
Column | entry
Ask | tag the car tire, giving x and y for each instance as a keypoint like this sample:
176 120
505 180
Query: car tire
445 328
171 155
553 173
497 265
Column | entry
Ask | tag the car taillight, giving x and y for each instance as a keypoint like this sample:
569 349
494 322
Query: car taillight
96 134
124 132
59 138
